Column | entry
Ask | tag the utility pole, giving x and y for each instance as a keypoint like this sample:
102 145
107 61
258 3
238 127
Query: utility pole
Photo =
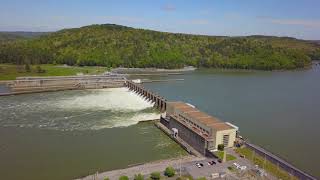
180 165
264 162
253 153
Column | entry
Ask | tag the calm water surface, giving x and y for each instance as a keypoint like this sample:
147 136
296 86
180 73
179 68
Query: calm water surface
277 110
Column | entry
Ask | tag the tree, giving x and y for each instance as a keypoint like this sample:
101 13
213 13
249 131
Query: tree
40 70
123 178
188 177
220 147
27 68
170 171
201 178
115 46
155 176
138 177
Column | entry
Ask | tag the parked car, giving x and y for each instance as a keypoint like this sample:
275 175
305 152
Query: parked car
236 165
243 168
199 165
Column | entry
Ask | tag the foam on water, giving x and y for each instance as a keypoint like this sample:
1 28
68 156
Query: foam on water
115 99
77 110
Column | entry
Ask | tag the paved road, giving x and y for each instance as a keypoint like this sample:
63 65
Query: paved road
188 165
144 169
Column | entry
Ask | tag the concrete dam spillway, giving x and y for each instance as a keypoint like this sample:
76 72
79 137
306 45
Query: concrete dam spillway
76 110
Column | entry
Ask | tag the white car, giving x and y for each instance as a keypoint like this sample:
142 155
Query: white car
243 168
198 165
236 165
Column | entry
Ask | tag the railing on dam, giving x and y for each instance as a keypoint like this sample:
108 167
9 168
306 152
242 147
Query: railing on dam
159 102
282 163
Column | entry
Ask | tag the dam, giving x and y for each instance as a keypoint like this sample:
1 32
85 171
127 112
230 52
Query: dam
41 84
24 85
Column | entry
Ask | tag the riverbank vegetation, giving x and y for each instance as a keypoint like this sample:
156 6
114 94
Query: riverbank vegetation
265 164
119 46
10 72
229 157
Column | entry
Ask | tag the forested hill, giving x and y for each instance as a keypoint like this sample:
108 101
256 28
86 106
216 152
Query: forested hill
113 46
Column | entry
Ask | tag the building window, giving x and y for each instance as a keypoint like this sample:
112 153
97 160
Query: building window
226 140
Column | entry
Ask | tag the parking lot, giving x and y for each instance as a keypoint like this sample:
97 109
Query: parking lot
207 170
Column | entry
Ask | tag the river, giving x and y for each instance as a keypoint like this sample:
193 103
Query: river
276 110
62 135
69 134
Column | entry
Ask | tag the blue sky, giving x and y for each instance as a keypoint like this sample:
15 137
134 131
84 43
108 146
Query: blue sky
296 18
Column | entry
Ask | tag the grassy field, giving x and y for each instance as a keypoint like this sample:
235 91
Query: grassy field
267 165
229 156
10 72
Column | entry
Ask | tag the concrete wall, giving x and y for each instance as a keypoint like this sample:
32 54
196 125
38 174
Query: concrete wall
282 163
63 81
219 137
193 139
42 84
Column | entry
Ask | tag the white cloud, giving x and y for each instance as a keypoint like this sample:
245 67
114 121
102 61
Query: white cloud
296 22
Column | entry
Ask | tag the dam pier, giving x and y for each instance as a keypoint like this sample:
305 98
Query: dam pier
159 102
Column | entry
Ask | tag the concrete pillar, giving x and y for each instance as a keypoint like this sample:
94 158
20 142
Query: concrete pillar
156 103
161 105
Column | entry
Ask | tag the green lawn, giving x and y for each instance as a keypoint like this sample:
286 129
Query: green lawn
220 156
260 161
10 71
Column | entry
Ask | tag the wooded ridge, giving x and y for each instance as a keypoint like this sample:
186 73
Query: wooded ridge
119 46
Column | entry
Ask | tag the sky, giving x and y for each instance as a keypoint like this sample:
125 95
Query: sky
294 18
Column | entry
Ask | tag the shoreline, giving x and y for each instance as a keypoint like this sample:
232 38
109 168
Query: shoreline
143 168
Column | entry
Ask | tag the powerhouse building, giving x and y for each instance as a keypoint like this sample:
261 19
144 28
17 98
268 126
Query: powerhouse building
200 130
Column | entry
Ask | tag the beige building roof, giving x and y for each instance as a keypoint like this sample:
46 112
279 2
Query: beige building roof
201 117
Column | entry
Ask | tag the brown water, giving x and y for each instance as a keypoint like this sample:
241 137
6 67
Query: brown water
64 135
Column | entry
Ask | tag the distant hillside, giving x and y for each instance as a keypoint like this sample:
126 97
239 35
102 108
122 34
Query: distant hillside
114 46
316 41
11 36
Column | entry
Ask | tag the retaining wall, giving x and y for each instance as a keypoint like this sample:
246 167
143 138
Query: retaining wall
282 163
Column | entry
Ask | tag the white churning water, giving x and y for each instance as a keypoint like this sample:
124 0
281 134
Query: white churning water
77 110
